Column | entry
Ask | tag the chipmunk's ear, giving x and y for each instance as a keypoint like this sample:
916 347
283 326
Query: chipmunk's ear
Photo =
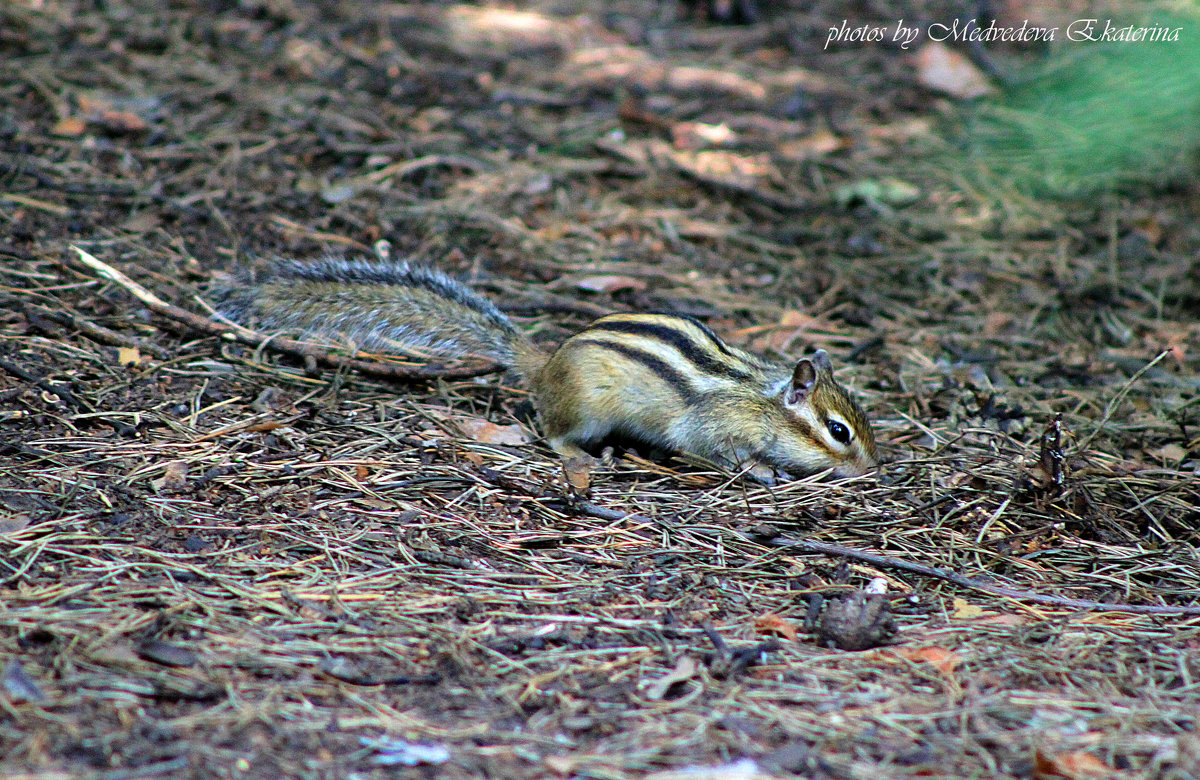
804 377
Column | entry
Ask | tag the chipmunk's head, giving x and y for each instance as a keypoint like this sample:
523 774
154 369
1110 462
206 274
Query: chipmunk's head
825 428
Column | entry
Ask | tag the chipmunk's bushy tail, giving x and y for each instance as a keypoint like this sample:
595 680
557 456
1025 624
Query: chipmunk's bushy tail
377 306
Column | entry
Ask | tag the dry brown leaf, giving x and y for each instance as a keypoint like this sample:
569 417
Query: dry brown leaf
114 120
774 624
965 610
122 121
69 127
1007 619
743 170
941 68
1069 765
940 658
1171 453
174 478
610 283
697 135
578 472
818 144
266 425
996 322
489 433
792 325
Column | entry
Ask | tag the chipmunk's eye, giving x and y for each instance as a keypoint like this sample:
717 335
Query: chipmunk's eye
839 432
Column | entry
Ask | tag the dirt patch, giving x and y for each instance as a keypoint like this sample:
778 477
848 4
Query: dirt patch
218 561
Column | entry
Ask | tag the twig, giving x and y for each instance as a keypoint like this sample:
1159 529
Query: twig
888 561
93 331
242 335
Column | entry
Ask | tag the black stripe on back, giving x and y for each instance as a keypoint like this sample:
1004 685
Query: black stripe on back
664 371
721 346
707 331
681 342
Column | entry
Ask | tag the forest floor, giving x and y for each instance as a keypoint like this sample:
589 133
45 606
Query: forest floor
222 561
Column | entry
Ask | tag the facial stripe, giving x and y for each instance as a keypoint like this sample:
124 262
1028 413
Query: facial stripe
670 375
815 433
660 329
818 433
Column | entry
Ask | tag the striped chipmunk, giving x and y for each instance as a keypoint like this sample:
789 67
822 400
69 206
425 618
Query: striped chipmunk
661 380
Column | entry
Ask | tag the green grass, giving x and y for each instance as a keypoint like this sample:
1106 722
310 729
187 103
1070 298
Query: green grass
1097 116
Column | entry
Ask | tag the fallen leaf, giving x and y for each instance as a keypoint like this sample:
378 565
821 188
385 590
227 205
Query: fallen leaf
887 192
965 610
945 661
489 433
941 68
174 478
685 669
739 170
697 135
774 624
819 144
122 121
1171 453
1069 765
69 127
610 284
578 472
996 322
128 356
266 425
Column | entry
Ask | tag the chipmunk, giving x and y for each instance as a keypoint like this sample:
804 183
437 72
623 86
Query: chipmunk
662 380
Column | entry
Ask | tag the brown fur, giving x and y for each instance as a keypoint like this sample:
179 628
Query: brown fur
663 380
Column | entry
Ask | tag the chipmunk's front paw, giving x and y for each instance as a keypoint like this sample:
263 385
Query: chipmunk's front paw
763 474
